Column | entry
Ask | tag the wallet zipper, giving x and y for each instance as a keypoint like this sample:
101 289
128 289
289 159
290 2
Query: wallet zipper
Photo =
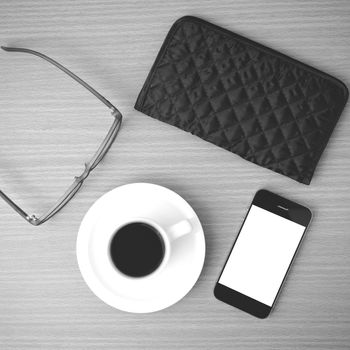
141 99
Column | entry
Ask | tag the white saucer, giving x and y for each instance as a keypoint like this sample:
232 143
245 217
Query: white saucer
158 290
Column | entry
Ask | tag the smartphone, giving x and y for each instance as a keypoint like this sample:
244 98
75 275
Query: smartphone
262 253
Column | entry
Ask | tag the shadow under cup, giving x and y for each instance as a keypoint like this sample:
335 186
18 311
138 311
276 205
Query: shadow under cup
137 249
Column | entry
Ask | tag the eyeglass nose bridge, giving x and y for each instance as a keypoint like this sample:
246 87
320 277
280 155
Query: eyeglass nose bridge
85 173
79 180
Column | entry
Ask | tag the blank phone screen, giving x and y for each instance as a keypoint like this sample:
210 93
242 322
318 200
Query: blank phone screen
261 255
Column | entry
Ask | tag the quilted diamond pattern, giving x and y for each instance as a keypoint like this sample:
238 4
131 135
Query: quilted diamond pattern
248 99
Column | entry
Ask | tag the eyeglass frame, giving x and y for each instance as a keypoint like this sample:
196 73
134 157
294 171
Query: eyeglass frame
89 166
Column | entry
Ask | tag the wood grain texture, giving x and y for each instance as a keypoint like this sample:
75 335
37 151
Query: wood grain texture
50 126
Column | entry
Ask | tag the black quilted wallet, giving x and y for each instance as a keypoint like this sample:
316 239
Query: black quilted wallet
244 97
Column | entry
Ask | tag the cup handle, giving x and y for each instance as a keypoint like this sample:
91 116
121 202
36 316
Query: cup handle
179 229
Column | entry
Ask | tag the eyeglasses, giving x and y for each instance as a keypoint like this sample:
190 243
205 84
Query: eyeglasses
89 166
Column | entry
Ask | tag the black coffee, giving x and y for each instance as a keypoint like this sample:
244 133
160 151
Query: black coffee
137 249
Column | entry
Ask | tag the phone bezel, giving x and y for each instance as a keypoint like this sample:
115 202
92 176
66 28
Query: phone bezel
279 206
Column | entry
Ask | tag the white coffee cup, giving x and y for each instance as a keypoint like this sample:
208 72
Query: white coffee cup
167 235
179 229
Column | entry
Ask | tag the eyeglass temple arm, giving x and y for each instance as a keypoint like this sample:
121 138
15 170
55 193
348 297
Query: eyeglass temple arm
15 207
63 69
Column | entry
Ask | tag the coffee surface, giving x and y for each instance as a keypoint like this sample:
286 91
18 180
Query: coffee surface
137 249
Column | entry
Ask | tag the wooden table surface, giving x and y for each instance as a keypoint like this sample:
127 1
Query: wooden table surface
50 126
